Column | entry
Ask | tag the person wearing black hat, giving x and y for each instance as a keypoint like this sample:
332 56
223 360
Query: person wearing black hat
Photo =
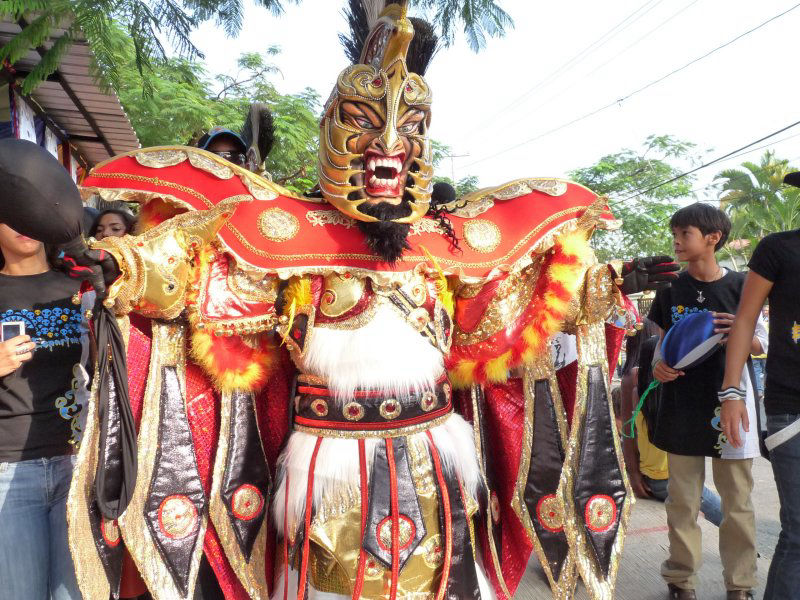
774 275
42 380
226 144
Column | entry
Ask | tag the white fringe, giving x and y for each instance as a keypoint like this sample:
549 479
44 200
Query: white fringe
338 471
387 354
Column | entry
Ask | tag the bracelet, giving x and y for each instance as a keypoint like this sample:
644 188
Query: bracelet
731 393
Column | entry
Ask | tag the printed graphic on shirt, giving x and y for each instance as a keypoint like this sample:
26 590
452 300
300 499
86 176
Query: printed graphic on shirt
679 312
49 327
69 408
795 332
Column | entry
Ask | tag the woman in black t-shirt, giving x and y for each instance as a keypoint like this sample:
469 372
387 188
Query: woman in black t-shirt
42 383
774 274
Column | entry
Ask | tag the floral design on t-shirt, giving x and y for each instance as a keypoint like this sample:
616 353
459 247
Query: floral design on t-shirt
680 311
49 327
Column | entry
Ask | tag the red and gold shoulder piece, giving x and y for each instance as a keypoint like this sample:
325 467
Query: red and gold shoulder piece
274 230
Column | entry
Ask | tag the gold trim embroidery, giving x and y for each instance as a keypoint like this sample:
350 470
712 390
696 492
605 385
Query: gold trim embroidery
204 163
161 158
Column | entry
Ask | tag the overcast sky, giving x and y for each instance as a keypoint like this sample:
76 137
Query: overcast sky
488 105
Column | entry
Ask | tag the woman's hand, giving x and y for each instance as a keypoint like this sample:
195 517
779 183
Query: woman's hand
663 373
14 352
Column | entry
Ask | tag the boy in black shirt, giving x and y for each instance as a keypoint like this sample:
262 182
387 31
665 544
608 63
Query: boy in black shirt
774 274
687 425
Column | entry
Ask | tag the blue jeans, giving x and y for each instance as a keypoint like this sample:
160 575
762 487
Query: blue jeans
783 581
35 562
710 504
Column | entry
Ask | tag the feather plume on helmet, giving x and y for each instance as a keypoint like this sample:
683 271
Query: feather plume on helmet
374 158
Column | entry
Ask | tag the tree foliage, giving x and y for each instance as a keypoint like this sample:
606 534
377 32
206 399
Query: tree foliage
186 103
758 203
632 180
147 22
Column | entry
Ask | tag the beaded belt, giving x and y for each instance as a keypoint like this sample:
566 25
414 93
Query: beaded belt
368 413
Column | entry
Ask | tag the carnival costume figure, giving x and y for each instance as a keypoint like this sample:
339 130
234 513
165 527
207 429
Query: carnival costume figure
351 394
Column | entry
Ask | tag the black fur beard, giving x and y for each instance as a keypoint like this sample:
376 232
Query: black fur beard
385 238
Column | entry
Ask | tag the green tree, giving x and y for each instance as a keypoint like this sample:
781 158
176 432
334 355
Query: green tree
147 22
757 203
634 180
185 105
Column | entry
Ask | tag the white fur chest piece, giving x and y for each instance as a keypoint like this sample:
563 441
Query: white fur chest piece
386 353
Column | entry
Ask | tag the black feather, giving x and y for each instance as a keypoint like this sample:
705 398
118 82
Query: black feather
353 42
423 47
259 130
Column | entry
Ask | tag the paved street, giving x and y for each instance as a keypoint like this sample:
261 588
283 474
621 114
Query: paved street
646 547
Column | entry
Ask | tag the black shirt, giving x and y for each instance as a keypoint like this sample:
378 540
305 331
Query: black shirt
688 410
777 259
38 404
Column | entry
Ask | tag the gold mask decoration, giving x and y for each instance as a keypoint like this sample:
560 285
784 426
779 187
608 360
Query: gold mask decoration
374 146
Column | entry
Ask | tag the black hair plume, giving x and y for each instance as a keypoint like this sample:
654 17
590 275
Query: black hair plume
423 46
259 130
353 43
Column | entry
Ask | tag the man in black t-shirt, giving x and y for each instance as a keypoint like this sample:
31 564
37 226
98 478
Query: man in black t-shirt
687 424
774 274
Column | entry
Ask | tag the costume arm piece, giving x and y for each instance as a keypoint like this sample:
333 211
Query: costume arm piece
156 266
507 322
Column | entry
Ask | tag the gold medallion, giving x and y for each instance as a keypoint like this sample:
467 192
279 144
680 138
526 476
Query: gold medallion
549 513
110 531
177 517
353 411
482 236
601 513
390 409
247 502
277 225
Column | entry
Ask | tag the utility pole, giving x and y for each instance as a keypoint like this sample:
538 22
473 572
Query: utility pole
452 164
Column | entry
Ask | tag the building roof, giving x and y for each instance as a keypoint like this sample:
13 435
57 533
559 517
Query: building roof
92 119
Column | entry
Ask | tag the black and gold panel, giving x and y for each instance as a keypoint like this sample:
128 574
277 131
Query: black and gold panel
599 489
246 479
378 533
109 544
462 582
544 474
176 501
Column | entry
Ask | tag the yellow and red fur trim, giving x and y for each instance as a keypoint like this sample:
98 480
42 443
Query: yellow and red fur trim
561 277
230 361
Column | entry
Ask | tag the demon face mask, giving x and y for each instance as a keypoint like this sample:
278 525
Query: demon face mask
374 156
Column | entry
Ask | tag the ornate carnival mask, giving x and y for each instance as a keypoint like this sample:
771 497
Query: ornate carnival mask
374 149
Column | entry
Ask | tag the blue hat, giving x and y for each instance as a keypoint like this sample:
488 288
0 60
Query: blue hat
216 132
690 341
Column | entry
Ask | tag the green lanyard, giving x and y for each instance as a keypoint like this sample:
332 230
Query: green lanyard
653 385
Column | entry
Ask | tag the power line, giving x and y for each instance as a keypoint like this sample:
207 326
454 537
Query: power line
635 92
703 166
610 34
533 111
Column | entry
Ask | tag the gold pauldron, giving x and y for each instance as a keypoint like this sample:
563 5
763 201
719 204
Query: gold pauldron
156 266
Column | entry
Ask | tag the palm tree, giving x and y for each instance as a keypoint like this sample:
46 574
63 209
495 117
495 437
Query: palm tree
149 21
758 203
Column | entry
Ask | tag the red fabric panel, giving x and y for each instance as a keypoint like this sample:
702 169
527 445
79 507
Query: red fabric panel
567 383
505 414
615 337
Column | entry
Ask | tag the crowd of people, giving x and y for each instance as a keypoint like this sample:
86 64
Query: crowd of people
686 415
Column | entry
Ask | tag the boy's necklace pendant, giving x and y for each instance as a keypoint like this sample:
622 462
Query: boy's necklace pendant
700 297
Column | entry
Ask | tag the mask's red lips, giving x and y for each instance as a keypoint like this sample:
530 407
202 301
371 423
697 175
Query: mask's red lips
382 174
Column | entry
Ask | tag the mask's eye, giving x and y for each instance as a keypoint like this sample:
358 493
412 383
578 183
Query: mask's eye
409 127
364 123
